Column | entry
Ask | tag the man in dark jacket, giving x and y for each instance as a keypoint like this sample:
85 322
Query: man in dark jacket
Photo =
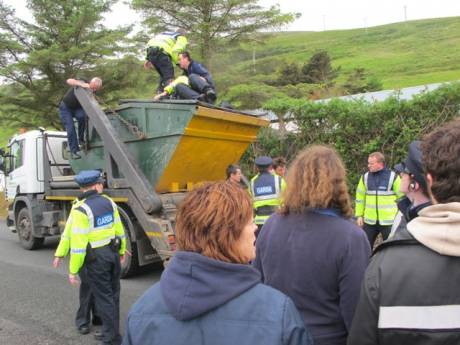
201 82
410 293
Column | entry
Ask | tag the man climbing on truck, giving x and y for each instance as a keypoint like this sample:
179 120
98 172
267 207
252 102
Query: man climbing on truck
70 108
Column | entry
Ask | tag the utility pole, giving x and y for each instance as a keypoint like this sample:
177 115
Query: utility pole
405 13
324 22
254 59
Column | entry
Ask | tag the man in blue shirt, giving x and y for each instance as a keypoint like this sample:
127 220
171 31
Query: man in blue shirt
202 85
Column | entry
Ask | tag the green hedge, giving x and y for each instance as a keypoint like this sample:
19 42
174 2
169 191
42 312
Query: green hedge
357 128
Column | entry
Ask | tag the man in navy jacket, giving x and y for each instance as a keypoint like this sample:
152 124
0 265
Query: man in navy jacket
201 82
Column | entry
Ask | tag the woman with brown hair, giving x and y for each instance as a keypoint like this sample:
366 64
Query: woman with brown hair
209 294
311 251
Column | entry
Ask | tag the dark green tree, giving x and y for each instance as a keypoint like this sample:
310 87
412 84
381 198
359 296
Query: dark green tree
290 74
212 23
318 70
360 81
65 40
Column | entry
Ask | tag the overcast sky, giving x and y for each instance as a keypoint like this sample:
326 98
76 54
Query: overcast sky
320 15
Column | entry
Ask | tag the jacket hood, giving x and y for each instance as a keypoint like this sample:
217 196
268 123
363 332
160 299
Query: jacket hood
438 228
193 284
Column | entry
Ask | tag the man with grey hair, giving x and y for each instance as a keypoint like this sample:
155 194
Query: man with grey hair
70 108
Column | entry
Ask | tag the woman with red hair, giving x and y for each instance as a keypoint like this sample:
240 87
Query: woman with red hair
209 294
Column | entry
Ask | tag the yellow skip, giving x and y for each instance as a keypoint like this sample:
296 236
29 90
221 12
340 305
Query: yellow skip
212 140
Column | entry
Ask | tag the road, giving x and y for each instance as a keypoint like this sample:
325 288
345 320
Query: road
38 305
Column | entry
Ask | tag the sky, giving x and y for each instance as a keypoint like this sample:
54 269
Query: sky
319 15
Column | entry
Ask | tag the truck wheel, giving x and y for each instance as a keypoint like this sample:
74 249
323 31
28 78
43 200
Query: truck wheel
25 231
131 265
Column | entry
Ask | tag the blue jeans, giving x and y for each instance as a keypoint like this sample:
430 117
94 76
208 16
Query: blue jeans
67 118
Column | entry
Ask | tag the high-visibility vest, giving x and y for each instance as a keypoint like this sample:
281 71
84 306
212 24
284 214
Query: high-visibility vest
172 44
179 80
376 197
266 192
89 226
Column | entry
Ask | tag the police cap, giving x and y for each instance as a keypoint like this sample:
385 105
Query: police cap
263 161
87 178
413 164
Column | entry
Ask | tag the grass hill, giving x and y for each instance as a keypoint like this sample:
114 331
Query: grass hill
399 55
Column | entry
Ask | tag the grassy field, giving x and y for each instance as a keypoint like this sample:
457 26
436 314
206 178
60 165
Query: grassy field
400 55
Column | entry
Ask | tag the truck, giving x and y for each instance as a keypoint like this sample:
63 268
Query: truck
149 153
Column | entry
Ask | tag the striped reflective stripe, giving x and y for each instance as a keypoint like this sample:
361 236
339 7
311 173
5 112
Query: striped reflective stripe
381 207
391 180
89 214
260 220
82 231
265 197
103 227
359 201
426 317
100 243
380 192
78 251
386 222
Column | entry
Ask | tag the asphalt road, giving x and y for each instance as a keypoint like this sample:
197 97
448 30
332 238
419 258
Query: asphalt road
38 305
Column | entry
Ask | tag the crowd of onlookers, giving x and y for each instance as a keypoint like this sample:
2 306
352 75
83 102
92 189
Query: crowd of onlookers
310 277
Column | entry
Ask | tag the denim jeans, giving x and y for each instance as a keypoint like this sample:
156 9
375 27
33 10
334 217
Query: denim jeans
67 118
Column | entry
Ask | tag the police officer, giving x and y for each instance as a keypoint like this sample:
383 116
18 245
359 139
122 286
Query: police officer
265 190
97 243
376 196
163 53
413 185
87 306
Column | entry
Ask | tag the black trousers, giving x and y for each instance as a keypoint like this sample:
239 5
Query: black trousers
198 86
372 232
104 279
185 92
87 306
163 65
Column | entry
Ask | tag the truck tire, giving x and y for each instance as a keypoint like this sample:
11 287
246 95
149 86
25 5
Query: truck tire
25 231
131 265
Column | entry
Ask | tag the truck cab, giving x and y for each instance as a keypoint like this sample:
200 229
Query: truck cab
25 163
25 188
